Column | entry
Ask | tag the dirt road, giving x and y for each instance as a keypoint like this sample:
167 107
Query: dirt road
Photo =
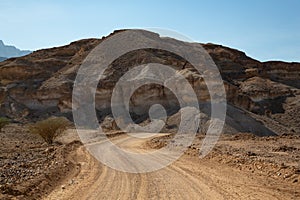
187 178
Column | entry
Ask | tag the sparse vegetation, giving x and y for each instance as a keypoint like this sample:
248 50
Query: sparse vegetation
50 128
3 122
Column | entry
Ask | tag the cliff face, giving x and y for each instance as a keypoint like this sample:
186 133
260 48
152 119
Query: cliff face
40 84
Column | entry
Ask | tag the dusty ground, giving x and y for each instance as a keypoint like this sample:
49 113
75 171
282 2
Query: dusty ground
30 168
277 157
241 166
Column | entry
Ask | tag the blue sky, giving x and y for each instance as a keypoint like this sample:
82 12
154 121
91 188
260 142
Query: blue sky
264 29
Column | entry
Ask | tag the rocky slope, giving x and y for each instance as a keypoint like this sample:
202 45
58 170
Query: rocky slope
29 167
260 94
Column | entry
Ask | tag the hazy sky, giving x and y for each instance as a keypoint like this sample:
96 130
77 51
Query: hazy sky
264 29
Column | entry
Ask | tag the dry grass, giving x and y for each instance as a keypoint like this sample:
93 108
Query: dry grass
3 122
50 128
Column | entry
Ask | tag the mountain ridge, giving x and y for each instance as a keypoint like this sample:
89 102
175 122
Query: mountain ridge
8 51
40 84
2 59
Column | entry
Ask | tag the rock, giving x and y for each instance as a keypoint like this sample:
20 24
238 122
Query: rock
71 182
40 84
49 149
109 123
249 153
278 174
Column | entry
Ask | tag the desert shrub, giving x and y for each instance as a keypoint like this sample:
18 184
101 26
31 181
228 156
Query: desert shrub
50 128
3 122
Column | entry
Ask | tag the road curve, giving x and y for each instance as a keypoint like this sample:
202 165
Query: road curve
187 178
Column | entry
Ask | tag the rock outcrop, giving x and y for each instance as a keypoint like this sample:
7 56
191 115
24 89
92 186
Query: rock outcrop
40 84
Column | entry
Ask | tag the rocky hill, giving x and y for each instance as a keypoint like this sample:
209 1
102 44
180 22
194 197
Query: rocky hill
7 51
263 97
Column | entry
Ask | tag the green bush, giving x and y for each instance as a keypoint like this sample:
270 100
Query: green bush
3 122
50 128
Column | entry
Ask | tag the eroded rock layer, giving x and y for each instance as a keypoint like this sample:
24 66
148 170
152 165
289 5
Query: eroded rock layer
265 93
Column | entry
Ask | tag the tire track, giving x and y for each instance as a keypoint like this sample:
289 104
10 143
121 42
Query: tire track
187 178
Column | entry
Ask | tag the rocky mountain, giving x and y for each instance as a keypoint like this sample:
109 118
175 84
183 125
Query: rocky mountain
7 51
2 59
263 97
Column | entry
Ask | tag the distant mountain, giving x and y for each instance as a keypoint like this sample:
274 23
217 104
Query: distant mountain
2 58
7 51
